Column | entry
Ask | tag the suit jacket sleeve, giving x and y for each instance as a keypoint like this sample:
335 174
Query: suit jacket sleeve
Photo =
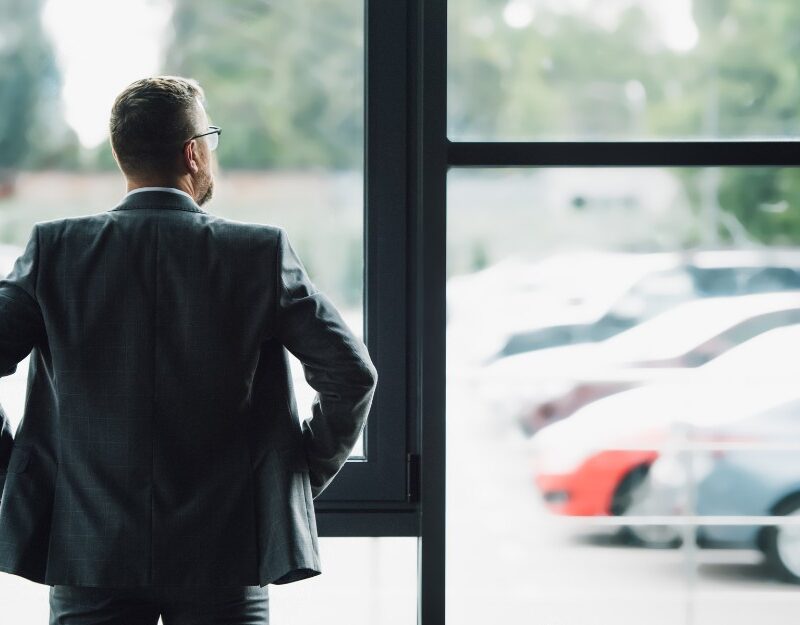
335 362
21 329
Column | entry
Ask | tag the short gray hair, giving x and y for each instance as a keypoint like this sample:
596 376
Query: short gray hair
150 121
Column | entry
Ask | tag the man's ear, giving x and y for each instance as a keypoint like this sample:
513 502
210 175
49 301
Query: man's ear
190 156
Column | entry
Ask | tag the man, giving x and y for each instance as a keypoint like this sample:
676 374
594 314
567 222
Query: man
160 468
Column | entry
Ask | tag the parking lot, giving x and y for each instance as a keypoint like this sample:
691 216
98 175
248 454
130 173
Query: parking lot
510 560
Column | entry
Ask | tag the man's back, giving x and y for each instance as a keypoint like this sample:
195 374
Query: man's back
160 442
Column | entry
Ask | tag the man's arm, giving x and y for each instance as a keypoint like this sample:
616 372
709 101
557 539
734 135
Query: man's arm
335 362
21 328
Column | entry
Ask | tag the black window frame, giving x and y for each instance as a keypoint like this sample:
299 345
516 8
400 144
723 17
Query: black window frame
429 156
400 489
377 495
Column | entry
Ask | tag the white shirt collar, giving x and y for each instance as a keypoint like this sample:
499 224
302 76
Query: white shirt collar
170 189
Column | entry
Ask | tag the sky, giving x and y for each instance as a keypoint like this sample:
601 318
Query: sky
98 58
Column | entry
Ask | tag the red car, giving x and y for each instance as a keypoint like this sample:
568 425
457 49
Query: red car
590 463
601 483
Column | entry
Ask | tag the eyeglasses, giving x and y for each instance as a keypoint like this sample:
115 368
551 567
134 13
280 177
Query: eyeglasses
212 137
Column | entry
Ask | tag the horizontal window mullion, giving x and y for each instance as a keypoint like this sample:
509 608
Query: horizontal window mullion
367 523
781 153
684 520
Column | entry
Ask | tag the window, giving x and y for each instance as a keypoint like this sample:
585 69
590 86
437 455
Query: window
286 80
562 456
528 159
574 70
305 146
640 154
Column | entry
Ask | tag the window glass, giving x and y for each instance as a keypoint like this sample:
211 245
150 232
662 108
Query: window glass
284 80
622 69
623 419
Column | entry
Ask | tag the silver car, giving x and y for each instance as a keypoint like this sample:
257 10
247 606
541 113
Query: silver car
749 467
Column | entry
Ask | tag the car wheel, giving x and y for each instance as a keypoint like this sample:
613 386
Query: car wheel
626 489
782 543
631 490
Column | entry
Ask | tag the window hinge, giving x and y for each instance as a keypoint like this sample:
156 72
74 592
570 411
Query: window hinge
412 477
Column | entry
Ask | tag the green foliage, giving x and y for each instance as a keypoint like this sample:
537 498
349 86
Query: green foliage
283 79
32 129
568 76
751 51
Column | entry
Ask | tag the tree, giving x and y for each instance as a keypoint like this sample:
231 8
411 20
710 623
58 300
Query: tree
569 75
751 88
285 80
32 132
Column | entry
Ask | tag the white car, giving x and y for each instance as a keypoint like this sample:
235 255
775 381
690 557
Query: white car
578 288
667 279
686 335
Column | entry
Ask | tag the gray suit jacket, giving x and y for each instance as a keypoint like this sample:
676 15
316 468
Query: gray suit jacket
160 442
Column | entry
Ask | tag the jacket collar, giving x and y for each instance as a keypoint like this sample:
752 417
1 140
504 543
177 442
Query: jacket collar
158 199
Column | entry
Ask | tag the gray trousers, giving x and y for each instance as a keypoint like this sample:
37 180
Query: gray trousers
88 605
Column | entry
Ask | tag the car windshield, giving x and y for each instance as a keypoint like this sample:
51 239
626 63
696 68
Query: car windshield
683 328
766 354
